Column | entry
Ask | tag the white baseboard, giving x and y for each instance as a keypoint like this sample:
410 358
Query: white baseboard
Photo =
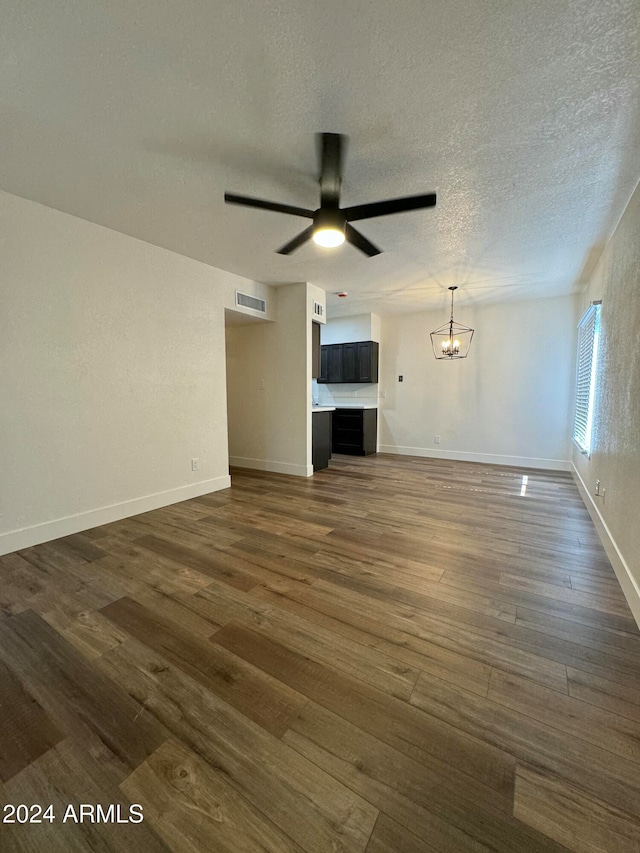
269 465
26 537
490 458
626 580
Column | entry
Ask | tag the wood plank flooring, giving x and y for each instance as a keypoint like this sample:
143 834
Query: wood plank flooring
395 655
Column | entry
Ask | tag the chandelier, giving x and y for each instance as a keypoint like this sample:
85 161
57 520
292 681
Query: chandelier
451 340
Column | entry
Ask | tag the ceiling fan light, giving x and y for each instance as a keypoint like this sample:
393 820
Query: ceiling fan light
328 238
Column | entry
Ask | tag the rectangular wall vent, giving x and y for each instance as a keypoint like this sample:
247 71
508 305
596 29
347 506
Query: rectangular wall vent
318 309
252 302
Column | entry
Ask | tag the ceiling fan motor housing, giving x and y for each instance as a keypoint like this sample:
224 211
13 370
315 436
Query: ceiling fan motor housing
329 217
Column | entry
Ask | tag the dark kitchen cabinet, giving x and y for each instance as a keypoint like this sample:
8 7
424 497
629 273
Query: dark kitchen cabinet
324 365
349 359
320 439
334 364
349 363
354 431
367 361
315 350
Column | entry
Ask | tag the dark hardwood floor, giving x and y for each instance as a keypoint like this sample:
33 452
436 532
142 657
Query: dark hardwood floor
396 655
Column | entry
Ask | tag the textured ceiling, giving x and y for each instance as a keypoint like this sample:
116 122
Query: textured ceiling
523 116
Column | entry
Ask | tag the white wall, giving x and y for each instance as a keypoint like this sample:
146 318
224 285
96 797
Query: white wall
112 374
318 295
615 458
509 401
268 381
344 330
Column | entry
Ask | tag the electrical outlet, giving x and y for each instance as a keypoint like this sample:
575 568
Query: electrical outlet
195 464
400 378
436 439
262 384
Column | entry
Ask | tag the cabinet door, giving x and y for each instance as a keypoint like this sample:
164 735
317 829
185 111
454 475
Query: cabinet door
334 367
321 439
367 362
369 431
349 359
324 365
315 350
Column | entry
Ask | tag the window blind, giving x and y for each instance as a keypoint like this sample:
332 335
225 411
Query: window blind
588 333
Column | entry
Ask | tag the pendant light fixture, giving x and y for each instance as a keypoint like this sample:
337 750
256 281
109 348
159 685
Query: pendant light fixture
451 340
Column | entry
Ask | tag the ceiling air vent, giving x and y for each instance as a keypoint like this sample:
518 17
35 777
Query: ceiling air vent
252 302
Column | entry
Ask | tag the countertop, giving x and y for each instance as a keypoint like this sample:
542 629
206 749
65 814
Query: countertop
356 406
342 406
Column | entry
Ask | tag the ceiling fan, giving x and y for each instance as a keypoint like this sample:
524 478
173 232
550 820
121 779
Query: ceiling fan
331 223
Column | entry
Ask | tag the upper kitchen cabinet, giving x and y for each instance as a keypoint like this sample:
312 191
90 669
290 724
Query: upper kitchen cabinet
367 361
334 364
349 366
315 350
349 363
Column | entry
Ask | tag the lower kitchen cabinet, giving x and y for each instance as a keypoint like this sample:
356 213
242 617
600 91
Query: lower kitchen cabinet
355 431
320 439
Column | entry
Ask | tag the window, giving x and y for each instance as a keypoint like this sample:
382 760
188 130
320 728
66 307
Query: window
588 334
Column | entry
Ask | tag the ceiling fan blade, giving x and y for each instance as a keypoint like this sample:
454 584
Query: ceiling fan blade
360 242
332 150
230 198
294 244
393 205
